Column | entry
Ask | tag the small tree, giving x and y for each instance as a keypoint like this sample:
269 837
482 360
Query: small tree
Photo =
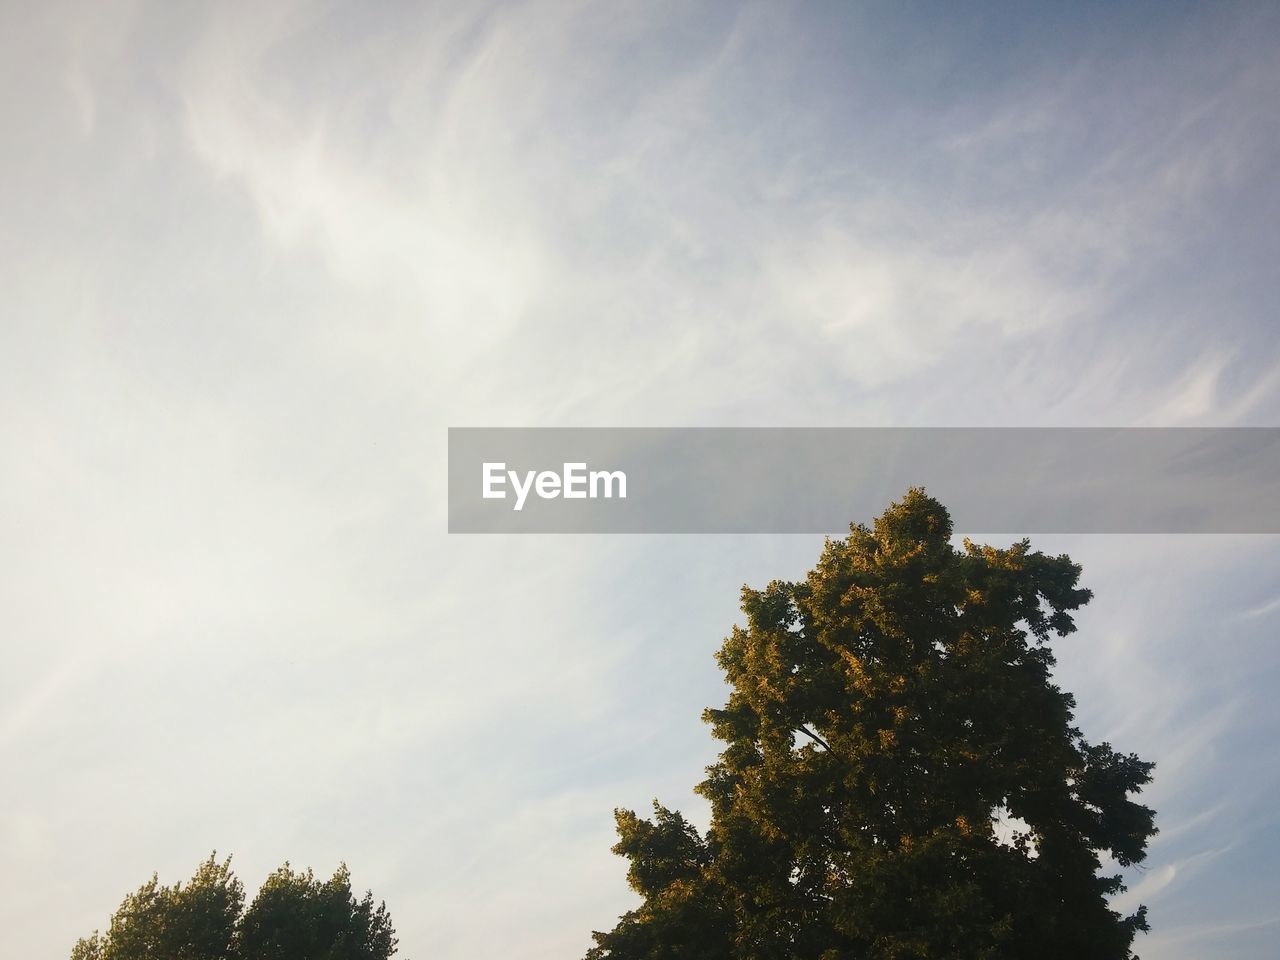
901 778
293 917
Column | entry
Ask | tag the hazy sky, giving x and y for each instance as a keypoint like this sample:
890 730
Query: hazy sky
256 258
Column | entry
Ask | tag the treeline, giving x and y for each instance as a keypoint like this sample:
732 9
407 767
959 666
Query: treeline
294 916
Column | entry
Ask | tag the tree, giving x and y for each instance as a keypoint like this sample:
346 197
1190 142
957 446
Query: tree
293 917
296 916
901 778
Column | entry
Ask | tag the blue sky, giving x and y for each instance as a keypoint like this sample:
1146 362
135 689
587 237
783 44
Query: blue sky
258 257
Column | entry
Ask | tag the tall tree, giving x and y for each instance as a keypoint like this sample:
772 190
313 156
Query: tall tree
293 917
901 777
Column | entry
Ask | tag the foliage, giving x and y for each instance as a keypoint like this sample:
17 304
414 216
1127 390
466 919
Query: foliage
296 916
888 715
293 917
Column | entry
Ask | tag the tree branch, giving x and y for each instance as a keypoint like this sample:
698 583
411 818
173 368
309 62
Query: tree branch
814 737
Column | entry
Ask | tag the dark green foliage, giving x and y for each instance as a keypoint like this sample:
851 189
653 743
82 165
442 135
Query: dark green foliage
293 917
886 715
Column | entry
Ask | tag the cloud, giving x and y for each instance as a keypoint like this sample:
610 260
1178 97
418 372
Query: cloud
1262 609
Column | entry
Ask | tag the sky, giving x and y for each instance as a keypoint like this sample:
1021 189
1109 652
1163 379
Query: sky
256 258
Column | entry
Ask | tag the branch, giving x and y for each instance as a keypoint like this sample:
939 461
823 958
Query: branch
814 737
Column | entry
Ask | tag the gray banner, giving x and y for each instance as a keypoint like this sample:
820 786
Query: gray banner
816 480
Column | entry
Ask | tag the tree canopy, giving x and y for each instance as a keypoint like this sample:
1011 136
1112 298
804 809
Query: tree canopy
294 916
901 778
